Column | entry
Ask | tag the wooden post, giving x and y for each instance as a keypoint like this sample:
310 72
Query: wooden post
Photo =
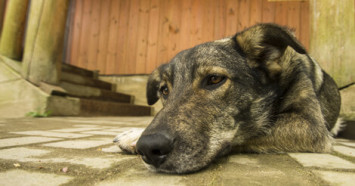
44 41
333 38
2 13
13 29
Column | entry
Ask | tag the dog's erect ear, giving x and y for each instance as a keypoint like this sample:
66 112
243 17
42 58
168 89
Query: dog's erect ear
153 86
264 44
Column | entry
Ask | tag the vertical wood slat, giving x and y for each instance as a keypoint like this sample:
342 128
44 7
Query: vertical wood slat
174 18
85 32
136 36
103 36
220 20
130 64
268 15
281 12
304 24
232 10
256 12
293 17
76 32
142 36
123 31
244 16
113 33
93 39
152 39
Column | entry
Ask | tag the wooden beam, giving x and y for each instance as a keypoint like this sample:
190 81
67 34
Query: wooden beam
44 41
333 38
13 29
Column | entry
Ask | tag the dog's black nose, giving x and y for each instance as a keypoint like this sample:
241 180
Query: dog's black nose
154 148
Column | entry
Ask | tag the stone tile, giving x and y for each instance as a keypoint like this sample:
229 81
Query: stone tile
24 178
347 151
122 129
7 142
96 122
22 154
87 126
326 161
109 133
112 148
337 178
244 160
134 177
97 163
52 134
348 144
80 144
80 129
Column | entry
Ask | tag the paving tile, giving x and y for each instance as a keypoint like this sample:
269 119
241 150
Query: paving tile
22 154
347 151
326 161
337 178
134 177
112 148
52 134
25 178
122 129
96 122
243 160
109 133
7 142
79 129
348 144
87 126
97 163
80 144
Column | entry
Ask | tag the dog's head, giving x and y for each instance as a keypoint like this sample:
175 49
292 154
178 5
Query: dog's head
215 95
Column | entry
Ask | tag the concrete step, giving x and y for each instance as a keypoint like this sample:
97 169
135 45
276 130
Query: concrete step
90 107
79 71
83 91
87 81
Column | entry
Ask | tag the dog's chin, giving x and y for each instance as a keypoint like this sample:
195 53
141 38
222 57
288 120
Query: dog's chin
176 170
185 167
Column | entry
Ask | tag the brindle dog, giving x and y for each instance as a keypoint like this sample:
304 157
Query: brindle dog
258 91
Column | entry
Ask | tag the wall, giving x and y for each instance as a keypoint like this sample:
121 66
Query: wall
135 36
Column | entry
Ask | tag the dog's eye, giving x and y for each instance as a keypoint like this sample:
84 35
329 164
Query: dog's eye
215 79
164 90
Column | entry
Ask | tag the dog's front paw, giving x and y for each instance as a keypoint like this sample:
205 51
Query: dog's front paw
127 140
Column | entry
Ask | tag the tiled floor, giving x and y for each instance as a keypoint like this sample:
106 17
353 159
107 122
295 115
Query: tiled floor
35 151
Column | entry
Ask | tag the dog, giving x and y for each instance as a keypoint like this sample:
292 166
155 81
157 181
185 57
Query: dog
255 92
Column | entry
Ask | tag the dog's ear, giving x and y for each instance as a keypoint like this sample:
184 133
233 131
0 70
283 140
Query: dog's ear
153 86
264 44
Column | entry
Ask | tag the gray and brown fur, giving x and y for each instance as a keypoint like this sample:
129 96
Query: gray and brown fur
273 98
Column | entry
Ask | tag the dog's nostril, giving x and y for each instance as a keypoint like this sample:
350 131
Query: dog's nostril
157 152
139 152
154 148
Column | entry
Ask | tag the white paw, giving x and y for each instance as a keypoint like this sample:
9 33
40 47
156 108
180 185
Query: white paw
127 140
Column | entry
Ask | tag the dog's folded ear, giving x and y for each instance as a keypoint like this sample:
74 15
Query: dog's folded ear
264 44
153 86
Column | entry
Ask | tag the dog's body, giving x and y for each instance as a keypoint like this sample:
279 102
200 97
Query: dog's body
258 91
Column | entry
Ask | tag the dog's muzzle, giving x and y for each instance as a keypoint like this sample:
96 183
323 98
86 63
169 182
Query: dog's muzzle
154 148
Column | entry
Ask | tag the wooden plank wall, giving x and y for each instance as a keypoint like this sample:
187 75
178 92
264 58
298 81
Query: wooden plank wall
136 36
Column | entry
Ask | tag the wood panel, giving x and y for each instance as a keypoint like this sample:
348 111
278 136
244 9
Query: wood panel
136 36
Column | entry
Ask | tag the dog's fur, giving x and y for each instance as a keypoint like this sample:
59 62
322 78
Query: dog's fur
270 97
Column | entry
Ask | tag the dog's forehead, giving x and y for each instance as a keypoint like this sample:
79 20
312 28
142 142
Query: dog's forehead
190 61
